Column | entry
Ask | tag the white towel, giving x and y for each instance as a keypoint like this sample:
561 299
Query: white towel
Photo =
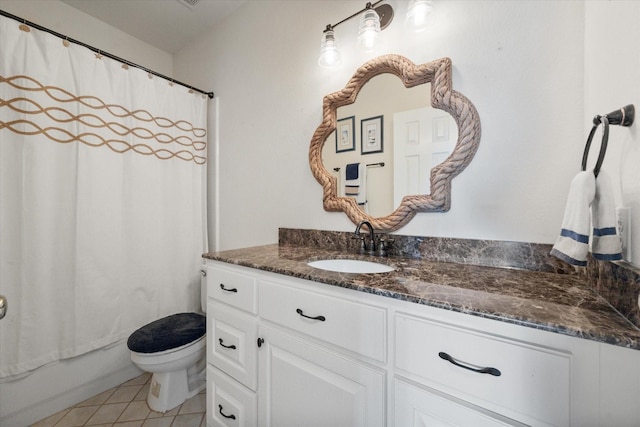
606 244
572 245
357 187
590 204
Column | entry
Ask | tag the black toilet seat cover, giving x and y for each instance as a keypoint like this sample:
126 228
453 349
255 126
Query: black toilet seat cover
167 333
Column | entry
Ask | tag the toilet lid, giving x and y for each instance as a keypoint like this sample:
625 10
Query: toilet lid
168 333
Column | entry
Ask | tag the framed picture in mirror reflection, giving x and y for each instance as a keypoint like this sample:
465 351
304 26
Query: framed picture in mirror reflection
345 134
371 134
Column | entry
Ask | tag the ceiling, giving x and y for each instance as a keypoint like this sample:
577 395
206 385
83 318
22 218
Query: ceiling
168 25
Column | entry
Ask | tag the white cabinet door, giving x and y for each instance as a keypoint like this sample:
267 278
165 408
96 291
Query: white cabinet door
301 384
424 407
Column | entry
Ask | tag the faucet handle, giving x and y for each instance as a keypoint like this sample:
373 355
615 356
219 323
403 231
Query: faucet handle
363 246
385 244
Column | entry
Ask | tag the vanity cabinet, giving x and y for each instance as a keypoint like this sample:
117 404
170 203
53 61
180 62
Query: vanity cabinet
290 352
286 364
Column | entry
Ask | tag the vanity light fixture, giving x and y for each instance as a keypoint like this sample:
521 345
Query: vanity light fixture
329 52
417 13
376 17
369 30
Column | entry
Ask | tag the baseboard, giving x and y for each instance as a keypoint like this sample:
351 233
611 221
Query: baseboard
58 386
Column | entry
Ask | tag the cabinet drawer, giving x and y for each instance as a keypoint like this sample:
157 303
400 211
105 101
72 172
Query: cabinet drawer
353 326
422 406
232 287
228 403
232 343
526 379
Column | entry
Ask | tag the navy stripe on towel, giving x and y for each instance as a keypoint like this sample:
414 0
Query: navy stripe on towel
607 231
581 238
567 258
608 257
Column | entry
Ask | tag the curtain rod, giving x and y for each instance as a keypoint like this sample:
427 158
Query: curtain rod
101 52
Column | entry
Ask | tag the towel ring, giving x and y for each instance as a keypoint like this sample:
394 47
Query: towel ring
603 144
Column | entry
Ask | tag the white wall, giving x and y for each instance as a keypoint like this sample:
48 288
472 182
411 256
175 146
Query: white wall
521 64
612 74
62 18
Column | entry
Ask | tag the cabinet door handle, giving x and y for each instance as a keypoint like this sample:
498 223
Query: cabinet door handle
232 417
3 306
227 289
232 347
301 313
491 371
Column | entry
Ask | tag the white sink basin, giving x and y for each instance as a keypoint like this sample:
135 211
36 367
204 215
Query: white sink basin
350 266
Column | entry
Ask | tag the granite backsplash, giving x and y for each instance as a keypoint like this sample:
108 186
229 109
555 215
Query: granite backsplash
617 282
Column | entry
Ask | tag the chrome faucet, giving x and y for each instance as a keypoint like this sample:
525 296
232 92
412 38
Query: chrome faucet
371 247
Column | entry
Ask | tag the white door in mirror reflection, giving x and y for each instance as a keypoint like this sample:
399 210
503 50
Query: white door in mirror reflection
423 138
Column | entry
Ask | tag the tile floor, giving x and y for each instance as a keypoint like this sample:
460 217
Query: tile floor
126 406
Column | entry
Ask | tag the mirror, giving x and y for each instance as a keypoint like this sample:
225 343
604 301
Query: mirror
413 147
414 138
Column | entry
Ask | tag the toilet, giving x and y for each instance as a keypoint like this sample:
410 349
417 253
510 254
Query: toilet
173 349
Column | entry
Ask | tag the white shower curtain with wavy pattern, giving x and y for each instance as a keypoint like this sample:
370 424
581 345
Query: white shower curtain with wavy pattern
102 198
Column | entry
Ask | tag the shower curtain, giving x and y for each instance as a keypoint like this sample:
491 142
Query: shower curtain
102 198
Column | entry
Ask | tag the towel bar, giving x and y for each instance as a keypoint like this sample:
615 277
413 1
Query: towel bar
381 164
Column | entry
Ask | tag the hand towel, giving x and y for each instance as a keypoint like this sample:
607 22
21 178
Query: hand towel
351 171
606 244
361 198
572 245
355 175
351 180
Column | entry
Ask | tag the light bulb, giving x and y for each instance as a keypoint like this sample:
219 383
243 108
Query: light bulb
369 31
417 15
329 52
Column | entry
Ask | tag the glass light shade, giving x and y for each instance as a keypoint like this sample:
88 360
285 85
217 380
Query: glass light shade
329 52
417 15
369 31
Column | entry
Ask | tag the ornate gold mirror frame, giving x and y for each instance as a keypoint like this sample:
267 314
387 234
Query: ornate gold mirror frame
443 97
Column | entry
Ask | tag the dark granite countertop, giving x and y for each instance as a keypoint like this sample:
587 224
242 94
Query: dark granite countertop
559 303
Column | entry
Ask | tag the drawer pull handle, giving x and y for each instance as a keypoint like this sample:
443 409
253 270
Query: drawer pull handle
301 313
231 417
227 289
491 371
232 347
